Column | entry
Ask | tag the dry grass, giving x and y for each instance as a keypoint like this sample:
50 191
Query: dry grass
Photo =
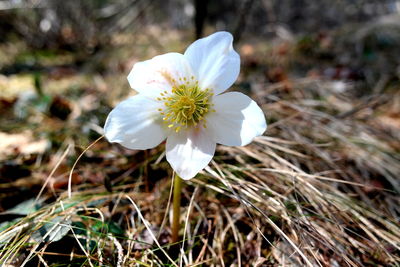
316 191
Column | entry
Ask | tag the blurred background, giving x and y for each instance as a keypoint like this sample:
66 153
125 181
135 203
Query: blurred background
69 59
63 67
44 41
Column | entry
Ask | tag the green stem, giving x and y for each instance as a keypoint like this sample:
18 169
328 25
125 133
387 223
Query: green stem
176 208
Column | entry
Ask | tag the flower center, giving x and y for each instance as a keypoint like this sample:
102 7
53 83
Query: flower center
186 104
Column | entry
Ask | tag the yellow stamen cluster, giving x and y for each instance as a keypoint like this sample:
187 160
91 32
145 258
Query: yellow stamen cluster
186 104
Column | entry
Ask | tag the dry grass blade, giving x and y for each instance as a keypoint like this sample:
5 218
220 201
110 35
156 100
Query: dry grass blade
76 162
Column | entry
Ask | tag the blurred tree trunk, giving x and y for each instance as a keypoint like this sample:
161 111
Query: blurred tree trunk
244 11
200 16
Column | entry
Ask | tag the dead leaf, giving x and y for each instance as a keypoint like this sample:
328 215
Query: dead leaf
21 143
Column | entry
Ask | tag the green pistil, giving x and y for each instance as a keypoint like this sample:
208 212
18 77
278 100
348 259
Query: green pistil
186 105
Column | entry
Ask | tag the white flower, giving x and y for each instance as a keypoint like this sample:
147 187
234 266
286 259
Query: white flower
180 98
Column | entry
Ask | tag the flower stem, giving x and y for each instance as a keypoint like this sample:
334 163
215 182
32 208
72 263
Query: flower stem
176 208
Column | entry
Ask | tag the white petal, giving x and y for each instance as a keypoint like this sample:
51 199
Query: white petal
214 62
190 151
151 77
135 123
237 119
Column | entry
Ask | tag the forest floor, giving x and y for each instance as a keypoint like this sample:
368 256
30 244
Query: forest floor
320 188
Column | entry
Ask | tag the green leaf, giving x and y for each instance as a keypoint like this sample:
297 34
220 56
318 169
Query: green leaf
53 230
108 227
26 207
